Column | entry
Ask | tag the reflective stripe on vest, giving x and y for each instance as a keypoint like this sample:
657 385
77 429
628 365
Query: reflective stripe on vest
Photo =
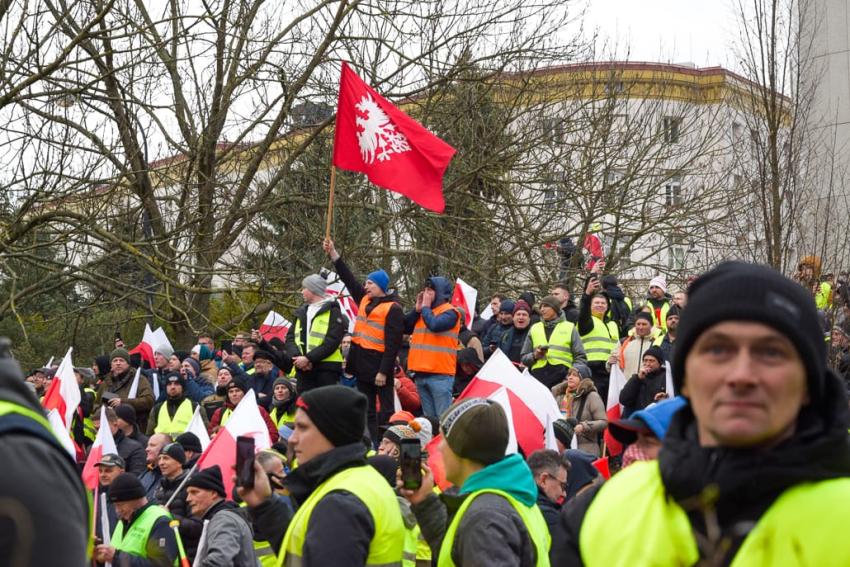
409 556
369 329
559 343
318 331
364 482
434 352
279 418
800 528
599 342
180 423
135 541
265 553
531 516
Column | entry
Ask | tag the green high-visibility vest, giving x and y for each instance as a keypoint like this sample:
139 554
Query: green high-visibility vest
665 308
177 425
318 331
279 418
804 526
387 546
135 541
599 342
559 343
530 515
89 431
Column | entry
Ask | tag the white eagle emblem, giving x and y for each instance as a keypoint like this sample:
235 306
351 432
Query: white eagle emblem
376 135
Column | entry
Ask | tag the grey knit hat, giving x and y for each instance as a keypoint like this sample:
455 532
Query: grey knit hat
316 284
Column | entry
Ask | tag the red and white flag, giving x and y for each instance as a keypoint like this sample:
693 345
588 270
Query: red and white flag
246 420
529 405
104 444
146 347
394 151
61 433
465 296
338 290
64 393
594 246
616 382
274 325
197 427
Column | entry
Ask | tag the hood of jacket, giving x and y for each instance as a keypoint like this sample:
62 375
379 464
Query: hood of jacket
585 387
510 475
615 293
548 325
304 479
582 471
751 479
442 289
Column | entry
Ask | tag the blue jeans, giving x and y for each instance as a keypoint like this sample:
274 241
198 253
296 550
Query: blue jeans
435 393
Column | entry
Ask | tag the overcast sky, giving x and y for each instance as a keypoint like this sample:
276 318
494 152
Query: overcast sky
696 31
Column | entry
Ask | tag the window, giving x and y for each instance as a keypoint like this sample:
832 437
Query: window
672 129
614 87
677 248
553 130
737 131
673 191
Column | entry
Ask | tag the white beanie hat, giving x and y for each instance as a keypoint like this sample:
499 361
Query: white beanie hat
659 281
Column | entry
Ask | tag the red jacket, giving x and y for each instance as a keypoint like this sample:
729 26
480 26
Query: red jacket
408 395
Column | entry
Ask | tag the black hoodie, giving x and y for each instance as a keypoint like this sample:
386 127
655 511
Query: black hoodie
45 520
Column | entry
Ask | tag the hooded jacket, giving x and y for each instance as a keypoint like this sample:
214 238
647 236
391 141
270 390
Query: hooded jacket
364 364
435 323
490 532
744 482
42 482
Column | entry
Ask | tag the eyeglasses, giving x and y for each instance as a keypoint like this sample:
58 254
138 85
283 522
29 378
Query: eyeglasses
563 484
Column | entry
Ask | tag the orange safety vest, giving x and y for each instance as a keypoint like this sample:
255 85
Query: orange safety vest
435 353
369 329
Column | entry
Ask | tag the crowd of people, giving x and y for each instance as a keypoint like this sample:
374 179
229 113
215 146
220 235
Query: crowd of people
752 438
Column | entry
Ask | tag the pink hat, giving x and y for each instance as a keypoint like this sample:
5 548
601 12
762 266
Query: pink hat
659 281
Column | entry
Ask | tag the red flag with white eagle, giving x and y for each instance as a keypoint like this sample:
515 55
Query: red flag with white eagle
394 151
464 296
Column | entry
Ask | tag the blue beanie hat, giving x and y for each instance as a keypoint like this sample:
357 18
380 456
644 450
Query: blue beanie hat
380 278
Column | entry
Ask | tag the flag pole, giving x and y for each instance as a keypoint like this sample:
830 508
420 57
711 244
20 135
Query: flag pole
331 203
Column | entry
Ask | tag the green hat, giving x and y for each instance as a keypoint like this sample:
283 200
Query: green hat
120 353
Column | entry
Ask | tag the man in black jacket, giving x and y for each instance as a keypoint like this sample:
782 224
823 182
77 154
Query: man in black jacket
41 483
550 471
131 451
761 445
312 343
648 386
376 339
340 528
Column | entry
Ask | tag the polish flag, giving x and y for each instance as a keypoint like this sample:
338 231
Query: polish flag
146 347
197 427
464 296
395 151
613 408
275 325
528 404
104 444
61 433
64 393
245 421
338 290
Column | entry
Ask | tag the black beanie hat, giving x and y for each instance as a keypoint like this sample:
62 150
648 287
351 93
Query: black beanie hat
563 431
643 315
338 412
125 487
190 442
476 429
656 353
238 382
736 291
175 451
209 479
176 378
